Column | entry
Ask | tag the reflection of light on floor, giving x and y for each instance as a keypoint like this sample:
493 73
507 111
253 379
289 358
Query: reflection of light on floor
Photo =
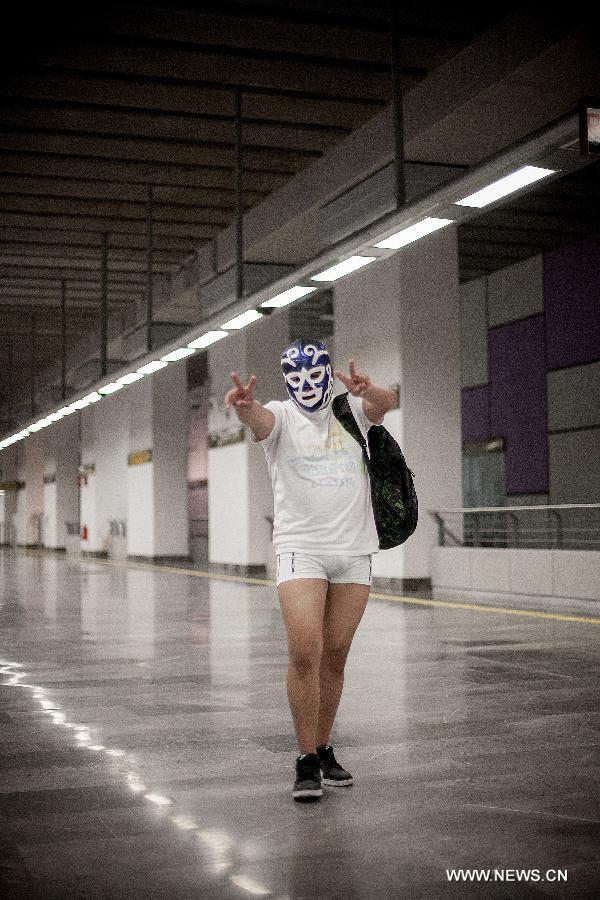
217 844
135 783
184 822
221 848
248 884
159 799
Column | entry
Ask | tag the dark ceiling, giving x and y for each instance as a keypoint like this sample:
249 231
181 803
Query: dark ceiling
560 213
98 105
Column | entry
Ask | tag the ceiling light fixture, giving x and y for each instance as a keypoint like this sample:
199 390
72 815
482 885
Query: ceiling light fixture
130 378
288 296
110 388
246 318
504 186
343 268
205 340
413 233
86 401
153 366
178 354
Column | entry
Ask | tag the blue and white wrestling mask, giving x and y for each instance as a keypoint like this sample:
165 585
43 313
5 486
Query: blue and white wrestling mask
306 367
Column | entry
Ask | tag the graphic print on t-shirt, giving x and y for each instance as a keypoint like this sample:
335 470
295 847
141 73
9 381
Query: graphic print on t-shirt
321 490
337 467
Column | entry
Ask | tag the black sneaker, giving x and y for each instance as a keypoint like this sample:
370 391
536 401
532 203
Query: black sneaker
333 773
308 778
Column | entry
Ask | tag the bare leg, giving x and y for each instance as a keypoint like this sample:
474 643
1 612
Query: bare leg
303 604
344 609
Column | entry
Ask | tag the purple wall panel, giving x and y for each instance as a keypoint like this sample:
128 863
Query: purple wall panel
572 303
476 413
517 367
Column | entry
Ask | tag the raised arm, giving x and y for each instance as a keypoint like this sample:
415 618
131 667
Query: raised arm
376 400
249 411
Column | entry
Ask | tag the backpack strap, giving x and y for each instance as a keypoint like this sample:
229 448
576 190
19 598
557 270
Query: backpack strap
343 413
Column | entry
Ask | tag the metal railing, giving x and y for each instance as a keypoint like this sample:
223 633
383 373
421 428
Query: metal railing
566 526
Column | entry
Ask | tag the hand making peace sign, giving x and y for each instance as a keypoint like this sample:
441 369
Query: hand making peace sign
356 382
241 394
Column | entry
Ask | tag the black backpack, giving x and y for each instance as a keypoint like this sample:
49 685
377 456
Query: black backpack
393 494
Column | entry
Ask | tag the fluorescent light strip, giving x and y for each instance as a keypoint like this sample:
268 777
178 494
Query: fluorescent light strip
289 296
87 400
178 354
246 318
151 367
205 340
504 186
110 388
130 378
343 268
413 233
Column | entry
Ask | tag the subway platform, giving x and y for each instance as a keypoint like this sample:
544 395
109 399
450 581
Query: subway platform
147 748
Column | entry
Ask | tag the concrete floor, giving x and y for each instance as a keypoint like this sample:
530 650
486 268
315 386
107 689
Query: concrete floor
147 750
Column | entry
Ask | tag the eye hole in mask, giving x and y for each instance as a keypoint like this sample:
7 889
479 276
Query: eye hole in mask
294 379
316 375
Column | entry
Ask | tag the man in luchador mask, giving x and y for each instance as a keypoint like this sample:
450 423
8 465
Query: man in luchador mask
324 537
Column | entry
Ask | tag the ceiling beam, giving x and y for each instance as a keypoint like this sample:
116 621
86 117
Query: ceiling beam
28 161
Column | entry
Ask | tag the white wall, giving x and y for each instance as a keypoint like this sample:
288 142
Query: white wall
140 479
228 509
544 573
61 496
170 435
156 494
197 457
400 321
9 467
105 431
30 499
239 488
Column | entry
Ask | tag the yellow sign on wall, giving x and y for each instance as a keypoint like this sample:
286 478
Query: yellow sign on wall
139 457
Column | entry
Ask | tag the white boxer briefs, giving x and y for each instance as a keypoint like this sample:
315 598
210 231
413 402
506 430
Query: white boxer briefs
335 569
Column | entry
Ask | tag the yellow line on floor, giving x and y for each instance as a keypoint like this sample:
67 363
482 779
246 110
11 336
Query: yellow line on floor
376 595
500 610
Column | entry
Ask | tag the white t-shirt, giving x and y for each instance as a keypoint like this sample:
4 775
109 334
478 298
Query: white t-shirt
320 483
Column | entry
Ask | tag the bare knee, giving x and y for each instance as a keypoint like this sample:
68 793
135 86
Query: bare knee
334 658
305 658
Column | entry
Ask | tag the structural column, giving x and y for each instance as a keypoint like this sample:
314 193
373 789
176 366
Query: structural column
240 502
9 466
60 481
400 320
28 519
156 495
103 474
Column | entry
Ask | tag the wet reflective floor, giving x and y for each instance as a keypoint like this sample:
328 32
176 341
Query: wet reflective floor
147 749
